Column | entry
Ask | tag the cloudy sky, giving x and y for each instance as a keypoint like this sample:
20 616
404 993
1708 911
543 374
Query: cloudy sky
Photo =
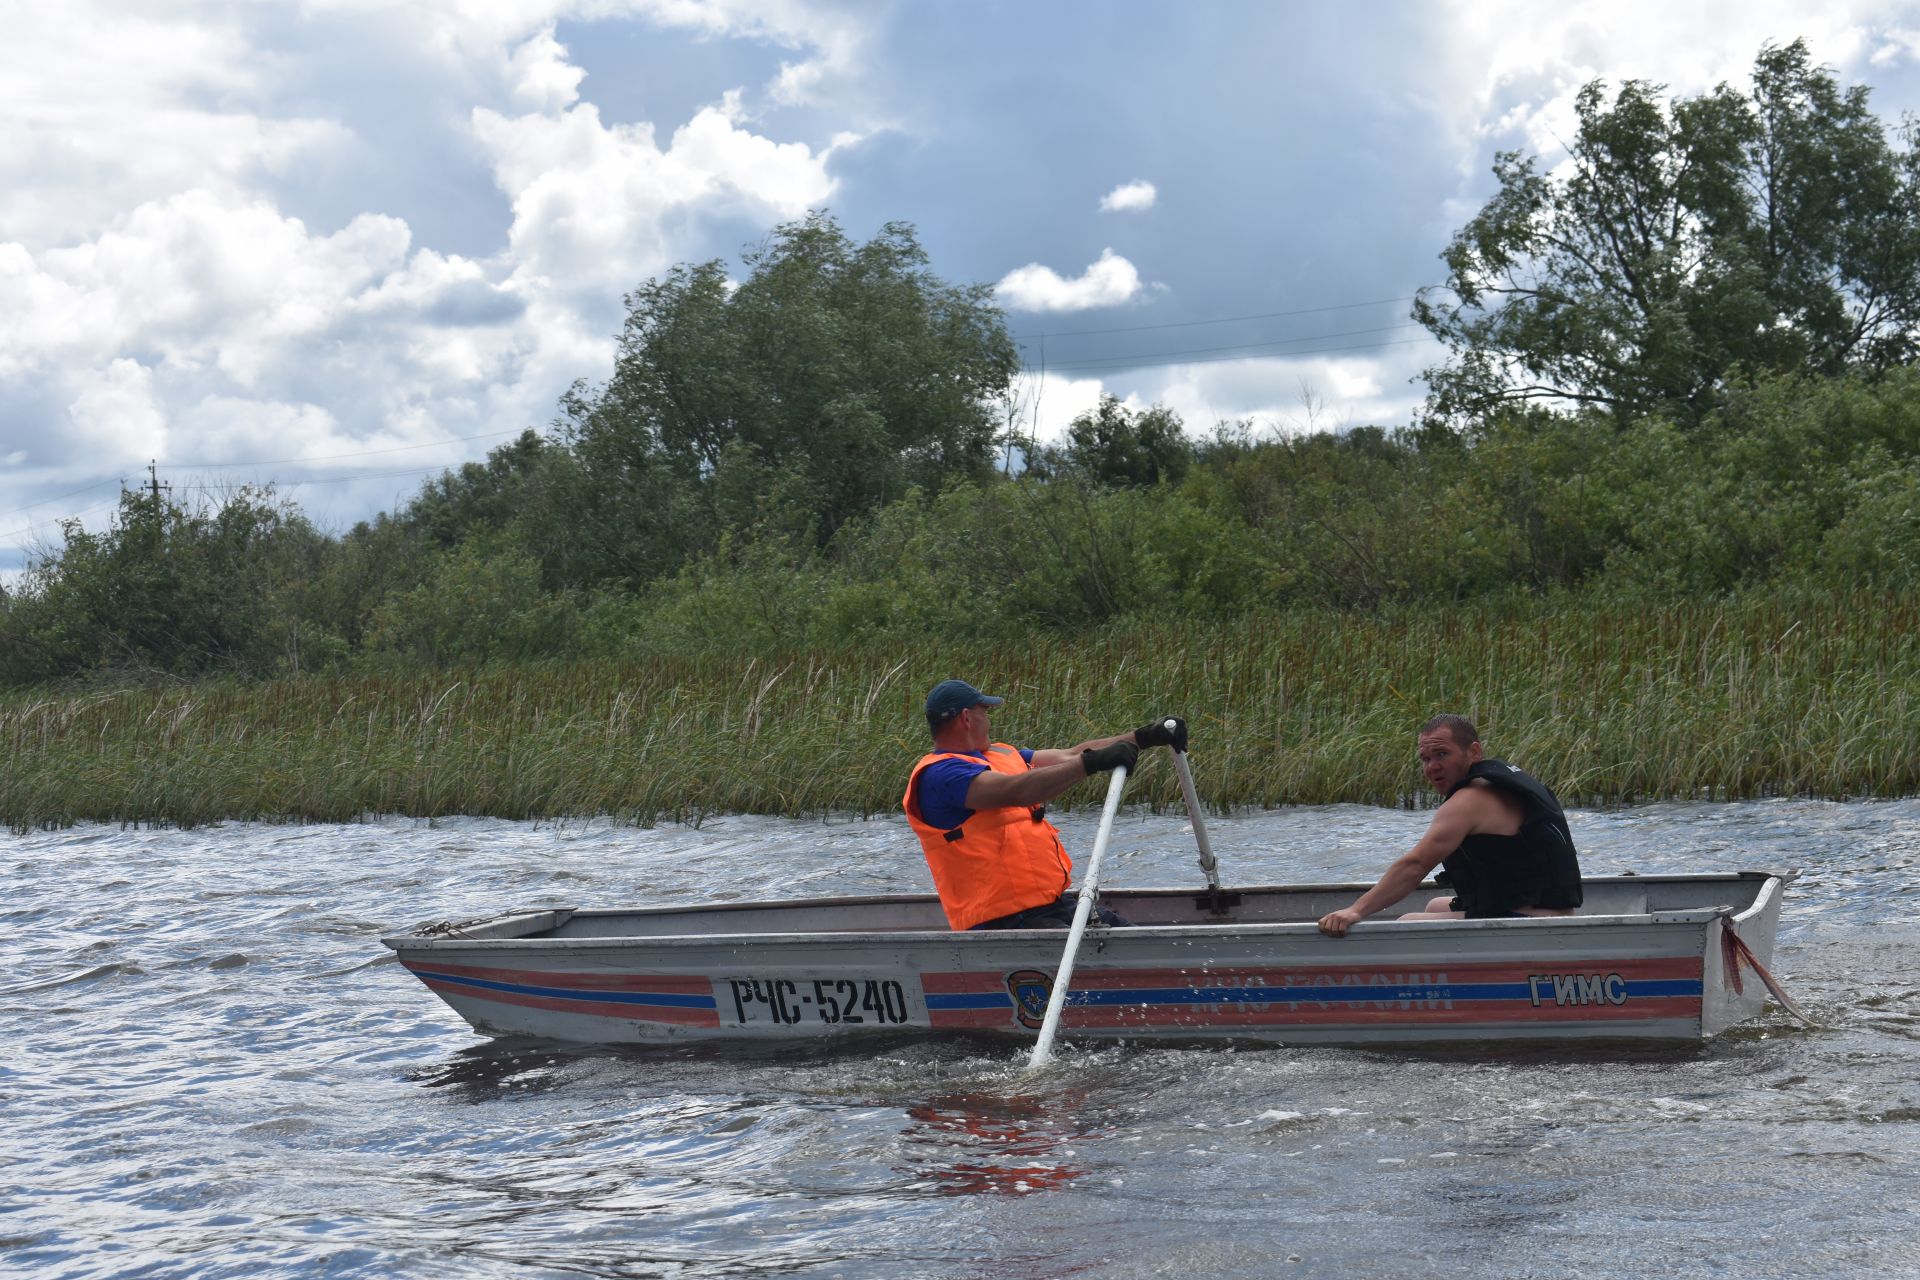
337 245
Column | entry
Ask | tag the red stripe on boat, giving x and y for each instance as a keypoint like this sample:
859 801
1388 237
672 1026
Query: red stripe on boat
667 984
965 984
585 1004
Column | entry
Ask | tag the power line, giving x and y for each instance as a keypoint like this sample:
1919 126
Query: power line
58 497
7 539
269 462
1312 351
329 457
378 475
1244 346
352 477
1188 324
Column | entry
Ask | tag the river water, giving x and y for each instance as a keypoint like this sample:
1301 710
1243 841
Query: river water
211 1068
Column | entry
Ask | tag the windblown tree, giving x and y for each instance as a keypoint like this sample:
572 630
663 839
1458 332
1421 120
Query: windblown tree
1775 231
185 589
480 495
829 382
1115 446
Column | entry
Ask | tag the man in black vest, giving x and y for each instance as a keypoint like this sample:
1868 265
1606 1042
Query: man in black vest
1500 832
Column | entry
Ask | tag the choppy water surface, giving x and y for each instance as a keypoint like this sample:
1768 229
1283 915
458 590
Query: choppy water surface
211 1068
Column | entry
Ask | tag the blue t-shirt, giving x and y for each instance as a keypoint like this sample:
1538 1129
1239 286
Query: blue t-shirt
943 789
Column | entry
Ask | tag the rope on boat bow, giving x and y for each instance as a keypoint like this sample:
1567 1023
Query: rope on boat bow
458 928
1735 952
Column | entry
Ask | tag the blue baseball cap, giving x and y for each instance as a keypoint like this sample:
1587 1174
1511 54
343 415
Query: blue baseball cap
951 697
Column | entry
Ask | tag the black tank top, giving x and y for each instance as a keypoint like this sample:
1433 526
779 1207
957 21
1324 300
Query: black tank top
1538 867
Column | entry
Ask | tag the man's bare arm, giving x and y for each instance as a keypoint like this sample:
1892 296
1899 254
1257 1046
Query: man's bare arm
1455 820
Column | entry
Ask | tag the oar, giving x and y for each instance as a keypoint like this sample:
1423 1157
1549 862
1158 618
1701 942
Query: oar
1089 884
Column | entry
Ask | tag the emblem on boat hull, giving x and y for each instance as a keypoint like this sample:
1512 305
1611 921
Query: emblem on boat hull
1030 989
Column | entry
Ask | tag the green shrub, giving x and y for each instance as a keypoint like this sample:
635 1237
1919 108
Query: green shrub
474 609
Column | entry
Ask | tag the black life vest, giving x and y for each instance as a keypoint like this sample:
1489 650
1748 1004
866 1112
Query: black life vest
1538 867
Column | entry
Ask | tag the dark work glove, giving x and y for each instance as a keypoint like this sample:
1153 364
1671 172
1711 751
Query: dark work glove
1107 757
1158 735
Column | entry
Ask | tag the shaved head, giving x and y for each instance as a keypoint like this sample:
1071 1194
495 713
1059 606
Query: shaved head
1464 734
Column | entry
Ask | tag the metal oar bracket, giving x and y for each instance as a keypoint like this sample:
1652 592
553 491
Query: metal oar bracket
1217 902
1213 900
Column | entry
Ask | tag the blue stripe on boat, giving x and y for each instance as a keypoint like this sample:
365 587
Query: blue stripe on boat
653 998
969 1000
1644 989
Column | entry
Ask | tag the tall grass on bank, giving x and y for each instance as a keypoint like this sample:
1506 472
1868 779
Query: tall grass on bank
1610 702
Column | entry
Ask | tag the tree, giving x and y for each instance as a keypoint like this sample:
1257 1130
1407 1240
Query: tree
529 494
1684 243
184 589
1117 447
479 496
474 608
845 373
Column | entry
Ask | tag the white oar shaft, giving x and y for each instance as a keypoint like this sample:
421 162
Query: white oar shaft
1089 885
1207 863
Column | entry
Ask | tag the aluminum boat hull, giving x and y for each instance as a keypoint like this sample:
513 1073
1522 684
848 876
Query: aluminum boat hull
1647 958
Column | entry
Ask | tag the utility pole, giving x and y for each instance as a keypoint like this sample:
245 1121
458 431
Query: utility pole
159 512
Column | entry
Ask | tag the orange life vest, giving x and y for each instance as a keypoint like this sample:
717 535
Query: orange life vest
998 861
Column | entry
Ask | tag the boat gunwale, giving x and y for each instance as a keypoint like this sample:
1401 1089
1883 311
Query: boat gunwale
1772 882
1333 886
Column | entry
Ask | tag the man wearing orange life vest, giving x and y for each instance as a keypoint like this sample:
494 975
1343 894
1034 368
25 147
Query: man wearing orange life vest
979 809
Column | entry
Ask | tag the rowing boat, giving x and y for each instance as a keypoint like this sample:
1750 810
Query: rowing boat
1657 958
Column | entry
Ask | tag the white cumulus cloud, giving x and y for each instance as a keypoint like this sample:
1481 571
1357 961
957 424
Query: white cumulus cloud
592 202
163 298
1277 395
1046 404
1130 197
103 107
118 413
1294 394
1522 63
542 79
1897 46
1108 282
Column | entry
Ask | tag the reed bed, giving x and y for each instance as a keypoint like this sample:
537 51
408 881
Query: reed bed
1610 702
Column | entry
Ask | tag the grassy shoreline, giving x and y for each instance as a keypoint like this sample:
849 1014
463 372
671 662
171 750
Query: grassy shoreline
1610 702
